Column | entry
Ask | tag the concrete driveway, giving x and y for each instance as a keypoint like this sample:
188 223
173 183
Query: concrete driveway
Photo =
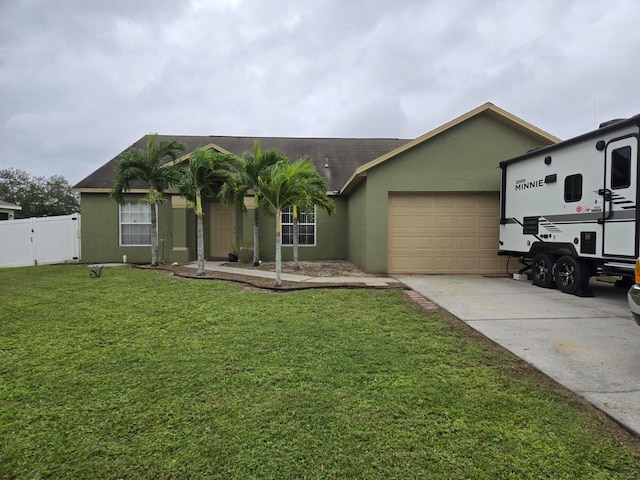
589 345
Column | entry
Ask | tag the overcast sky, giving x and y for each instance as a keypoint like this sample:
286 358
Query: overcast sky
80 80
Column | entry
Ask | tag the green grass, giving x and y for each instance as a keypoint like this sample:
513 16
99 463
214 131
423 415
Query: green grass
138 375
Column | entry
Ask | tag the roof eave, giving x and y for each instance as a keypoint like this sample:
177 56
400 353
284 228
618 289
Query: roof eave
106 190
485 108
354 180
185 157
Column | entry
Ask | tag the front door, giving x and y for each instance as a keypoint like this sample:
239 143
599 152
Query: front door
619 202
222 221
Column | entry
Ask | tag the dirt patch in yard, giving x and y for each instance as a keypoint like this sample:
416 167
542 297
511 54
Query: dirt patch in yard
329 268
325 268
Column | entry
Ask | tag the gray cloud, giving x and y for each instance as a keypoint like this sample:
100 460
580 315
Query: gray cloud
80 81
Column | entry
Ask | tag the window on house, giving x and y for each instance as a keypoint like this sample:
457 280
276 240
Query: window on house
621 168
135 223
306 226
573 188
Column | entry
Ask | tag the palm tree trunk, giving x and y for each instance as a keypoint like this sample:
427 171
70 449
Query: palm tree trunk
200 235
278 250
296 266
154 236
256 231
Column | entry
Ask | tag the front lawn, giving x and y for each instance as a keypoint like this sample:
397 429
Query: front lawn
139 375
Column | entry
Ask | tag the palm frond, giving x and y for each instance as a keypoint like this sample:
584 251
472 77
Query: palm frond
137 165
243 180
206 172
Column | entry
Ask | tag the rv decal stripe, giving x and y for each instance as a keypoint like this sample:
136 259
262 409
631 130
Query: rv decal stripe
551 222
585 217
574 217
515 220
566 219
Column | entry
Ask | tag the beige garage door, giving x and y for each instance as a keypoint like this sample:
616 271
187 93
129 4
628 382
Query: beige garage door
444 233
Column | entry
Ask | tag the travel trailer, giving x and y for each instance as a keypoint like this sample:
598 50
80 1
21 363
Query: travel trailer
568 211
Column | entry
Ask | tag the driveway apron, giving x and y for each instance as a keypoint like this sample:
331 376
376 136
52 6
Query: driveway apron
589 345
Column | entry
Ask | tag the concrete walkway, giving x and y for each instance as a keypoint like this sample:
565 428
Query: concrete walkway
290 277
589 345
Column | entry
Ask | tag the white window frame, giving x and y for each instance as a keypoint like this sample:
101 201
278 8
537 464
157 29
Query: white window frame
287 214
136 221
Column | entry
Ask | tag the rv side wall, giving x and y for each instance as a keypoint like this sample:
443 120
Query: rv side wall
558 200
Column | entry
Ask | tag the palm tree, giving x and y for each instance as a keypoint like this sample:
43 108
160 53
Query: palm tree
316 194
206 171
147 166
253 165
288 185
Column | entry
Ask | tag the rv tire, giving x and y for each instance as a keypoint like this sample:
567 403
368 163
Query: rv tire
571 274
542 270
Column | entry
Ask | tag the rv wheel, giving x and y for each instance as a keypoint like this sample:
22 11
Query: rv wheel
571 274
542 270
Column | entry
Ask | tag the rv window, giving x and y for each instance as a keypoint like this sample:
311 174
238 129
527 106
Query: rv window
573 188
621 168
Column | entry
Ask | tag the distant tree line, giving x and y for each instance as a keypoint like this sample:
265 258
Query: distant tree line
38 196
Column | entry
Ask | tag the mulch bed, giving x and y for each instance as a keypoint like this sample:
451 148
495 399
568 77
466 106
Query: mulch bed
266 284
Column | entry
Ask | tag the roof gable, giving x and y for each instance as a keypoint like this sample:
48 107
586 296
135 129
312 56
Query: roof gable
184 158
487 109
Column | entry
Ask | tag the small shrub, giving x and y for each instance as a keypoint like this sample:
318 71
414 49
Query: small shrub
244 251
97 271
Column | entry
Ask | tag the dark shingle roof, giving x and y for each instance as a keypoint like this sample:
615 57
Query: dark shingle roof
343 155
9 206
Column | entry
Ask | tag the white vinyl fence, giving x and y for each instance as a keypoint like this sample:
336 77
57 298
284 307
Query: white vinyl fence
35 241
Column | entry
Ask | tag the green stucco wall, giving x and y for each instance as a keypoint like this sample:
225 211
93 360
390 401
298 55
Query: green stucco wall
357 228
99 235
331 238
462 159
177 233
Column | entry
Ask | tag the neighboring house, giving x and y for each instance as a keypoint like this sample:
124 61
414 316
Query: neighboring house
7 210
428 205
